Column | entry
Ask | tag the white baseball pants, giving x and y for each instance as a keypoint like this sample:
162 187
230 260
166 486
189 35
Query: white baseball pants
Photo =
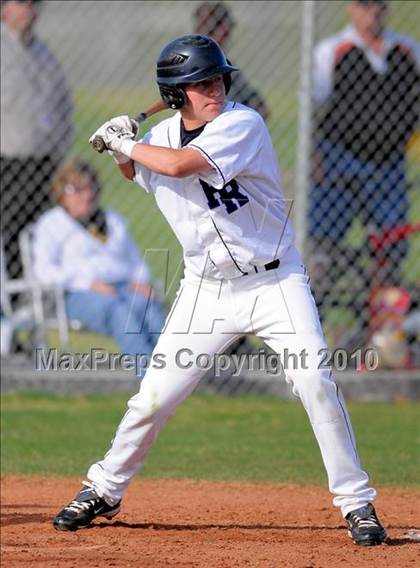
206 317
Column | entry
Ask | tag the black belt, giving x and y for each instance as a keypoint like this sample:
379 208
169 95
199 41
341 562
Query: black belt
269 266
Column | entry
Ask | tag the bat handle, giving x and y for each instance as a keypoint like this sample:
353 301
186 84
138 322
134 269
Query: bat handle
98 144
138 119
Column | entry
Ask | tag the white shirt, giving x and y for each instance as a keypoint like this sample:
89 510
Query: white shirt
66 254
241 218
325 55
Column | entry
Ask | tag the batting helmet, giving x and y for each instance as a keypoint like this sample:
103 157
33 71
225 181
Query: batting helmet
189 59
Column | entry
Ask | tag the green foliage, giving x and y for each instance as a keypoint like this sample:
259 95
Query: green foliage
244 438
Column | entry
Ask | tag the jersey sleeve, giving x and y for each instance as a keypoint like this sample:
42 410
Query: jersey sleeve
141 174
230 144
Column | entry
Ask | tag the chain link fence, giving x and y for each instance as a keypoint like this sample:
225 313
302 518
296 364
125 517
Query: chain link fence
363 199
344 127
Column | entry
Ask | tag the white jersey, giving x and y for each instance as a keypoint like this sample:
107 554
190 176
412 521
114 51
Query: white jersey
234 217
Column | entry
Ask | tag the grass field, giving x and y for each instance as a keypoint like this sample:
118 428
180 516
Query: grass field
215 438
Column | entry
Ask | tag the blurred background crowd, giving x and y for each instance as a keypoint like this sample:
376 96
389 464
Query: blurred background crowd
338 85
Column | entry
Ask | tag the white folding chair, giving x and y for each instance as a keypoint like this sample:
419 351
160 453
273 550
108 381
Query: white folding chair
47 314
15 315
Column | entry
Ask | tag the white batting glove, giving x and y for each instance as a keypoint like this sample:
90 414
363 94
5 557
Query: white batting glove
114 136
100 131
125 122
121 122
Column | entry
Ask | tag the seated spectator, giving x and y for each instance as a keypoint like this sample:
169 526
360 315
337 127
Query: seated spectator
88 251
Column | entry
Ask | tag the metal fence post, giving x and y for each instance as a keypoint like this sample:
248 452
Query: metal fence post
303 158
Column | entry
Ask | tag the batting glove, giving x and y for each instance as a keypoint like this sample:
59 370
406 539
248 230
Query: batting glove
114 136
125 122
100 132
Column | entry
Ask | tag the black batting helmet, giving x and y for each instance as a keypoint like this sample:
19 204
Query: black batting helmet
189 59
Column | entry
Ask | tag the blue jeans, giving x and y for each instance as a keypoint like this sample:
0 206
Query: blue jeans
349 188
131 319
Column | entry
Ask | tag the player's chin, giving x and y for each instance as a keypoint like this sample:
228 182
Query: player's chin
213 110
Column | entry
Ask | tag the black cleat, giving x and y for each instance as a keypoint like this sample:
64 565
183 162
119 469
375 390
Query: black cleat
364 526
85 507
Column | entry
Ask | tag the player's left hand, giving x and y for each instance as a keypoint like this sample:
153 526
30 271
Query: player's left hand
113 135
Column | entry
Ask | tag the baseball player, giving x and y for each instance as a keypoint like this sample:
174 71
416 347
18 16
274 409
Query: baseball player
213 171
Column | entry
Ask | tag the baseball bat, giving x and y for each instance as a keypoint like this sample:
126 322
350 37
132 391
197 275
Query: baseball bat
98 143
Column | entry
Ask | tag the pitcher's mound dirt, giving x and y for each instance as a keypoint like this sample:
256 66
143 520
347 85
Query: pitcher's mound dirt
166 523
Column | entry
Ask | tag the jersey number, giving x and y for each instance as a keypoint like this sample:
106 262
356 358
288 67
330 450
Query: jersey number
229 196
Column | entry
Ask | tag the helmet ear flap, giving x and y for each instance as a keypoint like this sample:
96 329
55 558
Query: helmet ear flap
173 97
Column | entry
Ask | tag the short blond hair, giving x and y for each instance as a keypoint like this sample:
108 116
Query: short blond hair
68 170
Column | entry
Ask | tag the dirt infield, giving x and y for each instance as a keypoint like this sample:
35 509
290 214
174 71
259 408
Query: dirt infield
202 524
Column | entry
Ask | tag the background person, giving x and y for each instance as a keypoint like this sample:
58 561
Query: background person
88 250
366 86
36 123
215 20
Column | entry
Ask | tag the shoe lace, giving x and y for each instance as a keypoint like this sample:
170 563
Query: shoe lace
365 522
77 506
